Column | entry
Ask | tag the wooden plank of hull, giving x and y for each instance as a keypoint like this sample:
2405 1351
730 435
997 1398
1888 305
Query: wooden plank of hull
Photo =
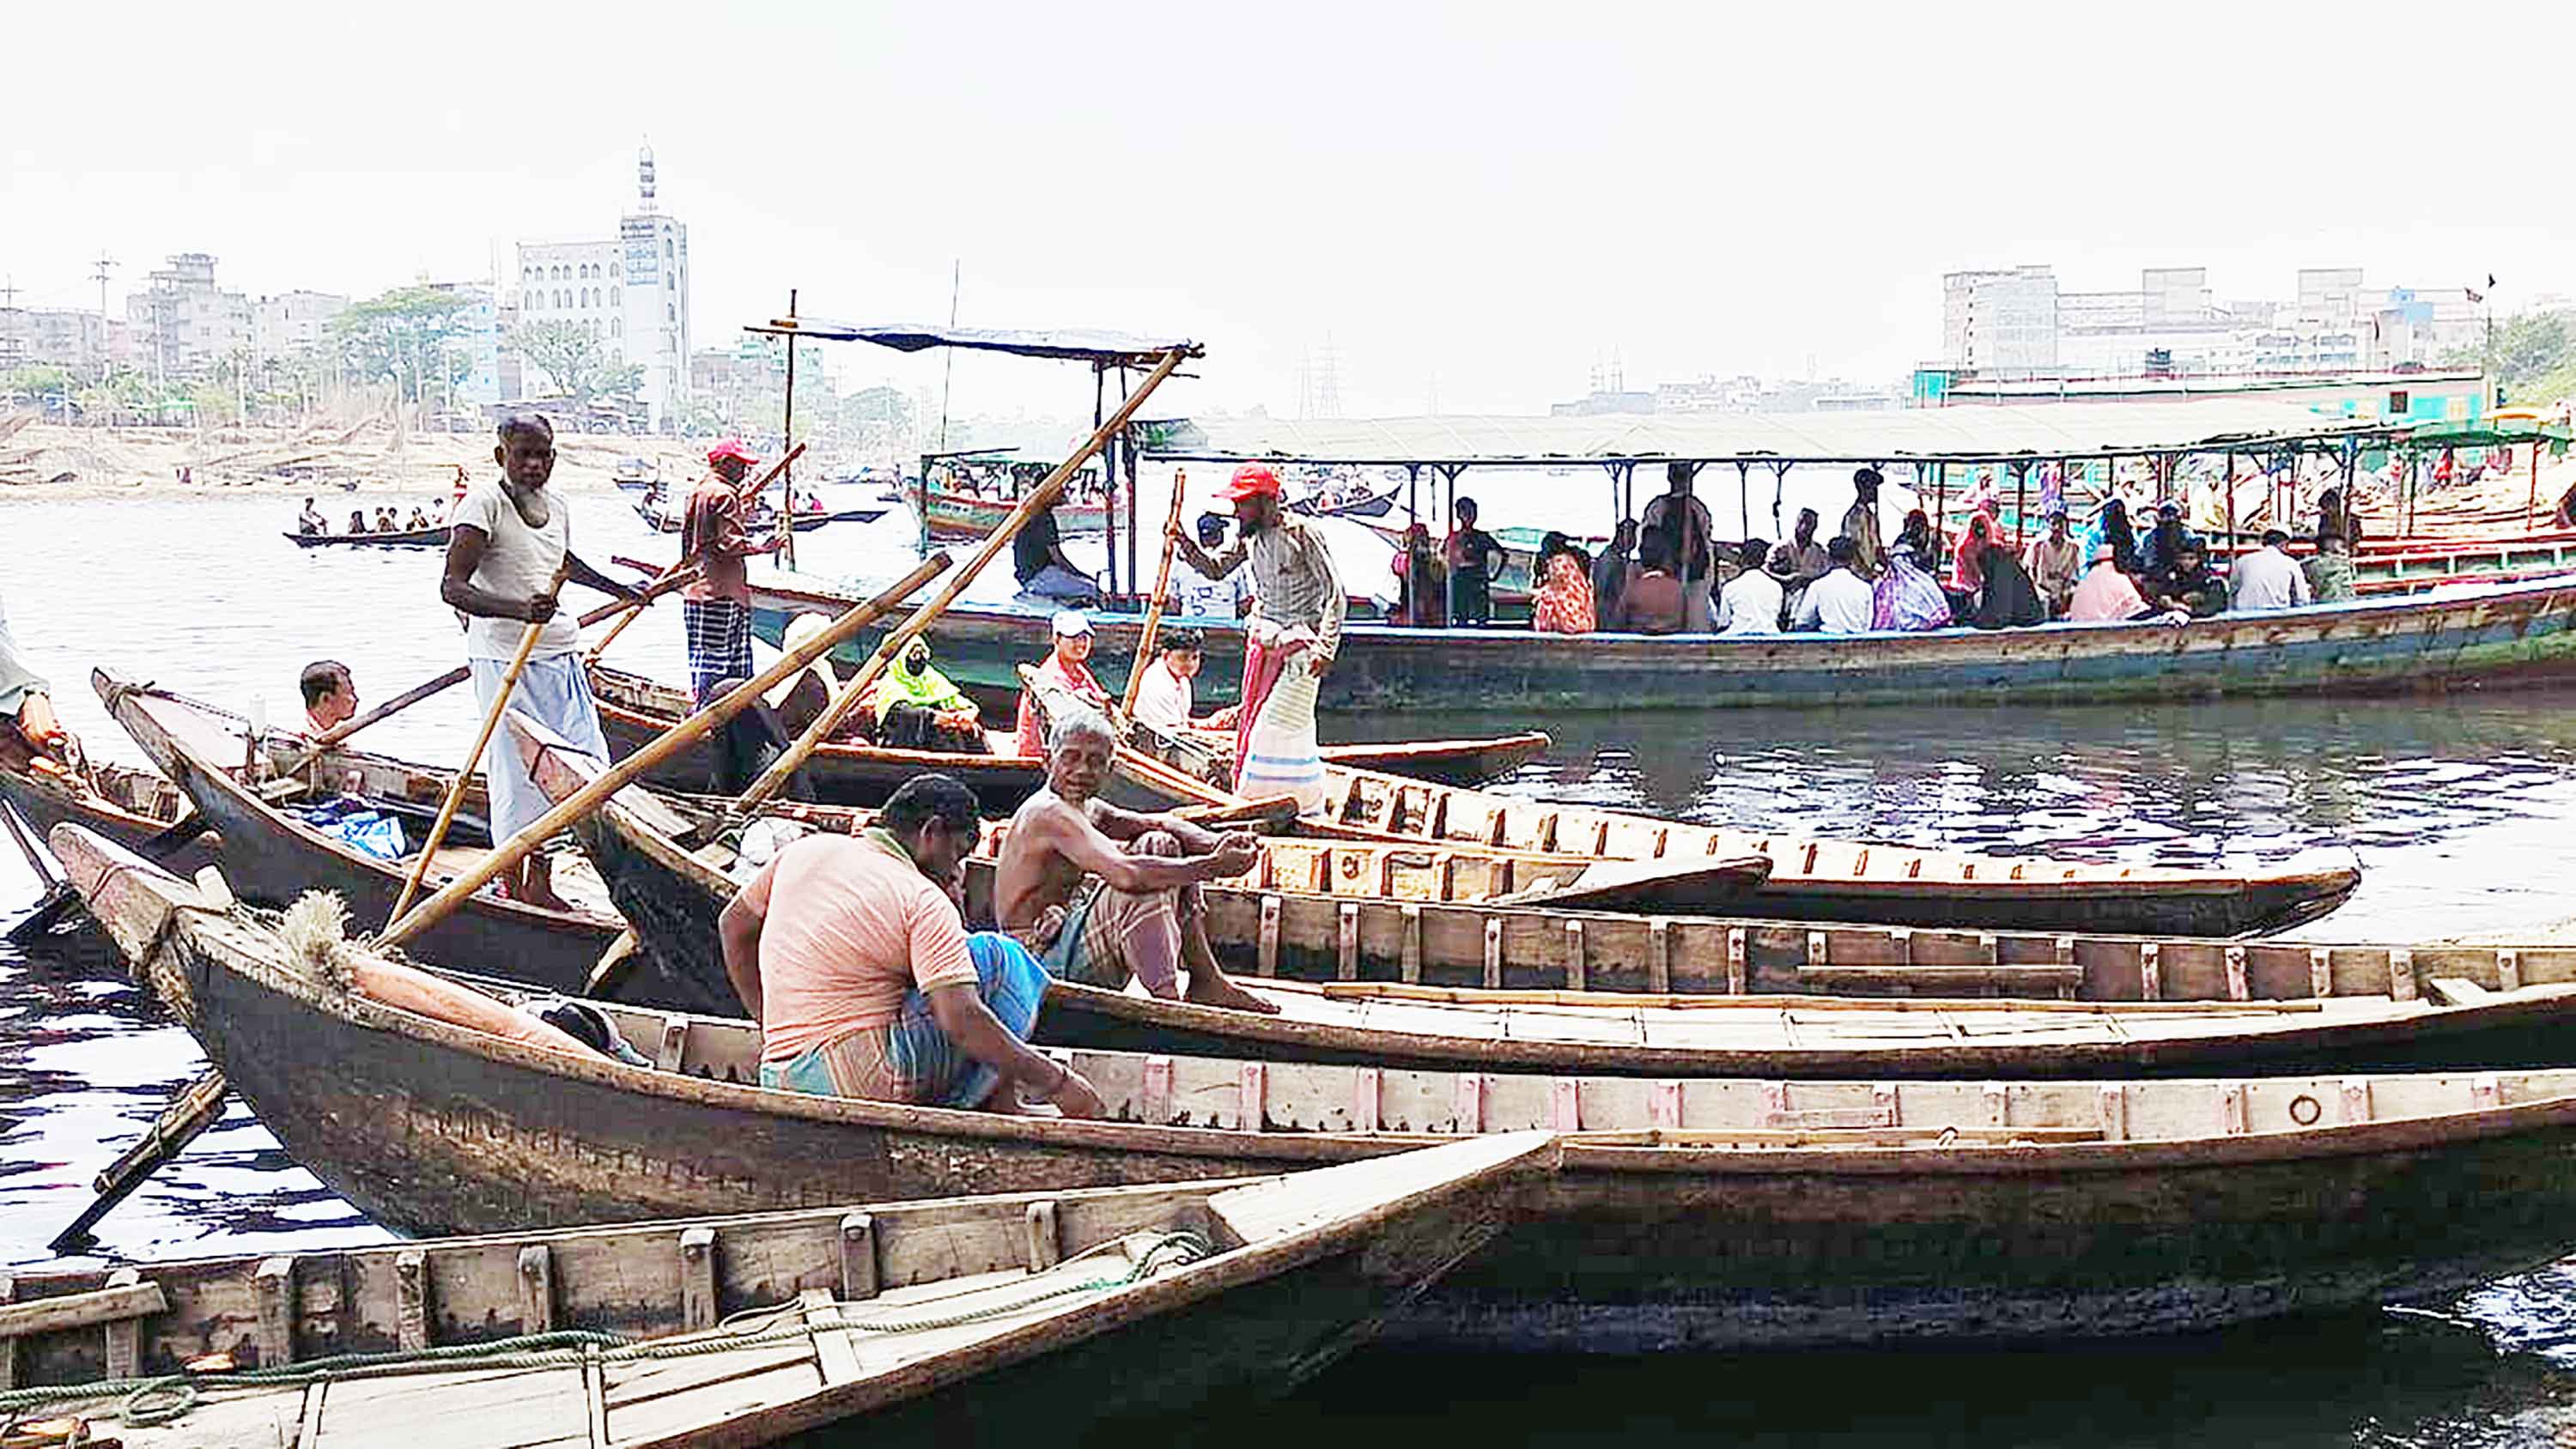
2511 634
47 803
272 859
1752 1213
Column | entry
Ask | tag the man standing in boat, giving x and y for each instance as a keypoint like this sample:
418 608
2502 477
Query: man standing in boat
850 953
1860 525
1682 522
1102 894
1290 637
715 609
511 537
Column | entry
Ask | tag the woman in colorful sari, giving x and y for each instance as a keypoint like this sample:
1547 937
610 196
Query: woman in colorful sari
1563 603
1907 598
1968 562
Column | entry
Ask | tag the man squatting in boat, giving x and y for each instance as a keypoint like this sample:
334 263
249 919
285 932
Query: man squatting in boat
852 955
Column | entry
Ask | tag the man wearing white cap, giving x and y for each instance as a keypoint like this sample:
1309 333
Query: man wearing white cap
1297 605
1067 668
715 609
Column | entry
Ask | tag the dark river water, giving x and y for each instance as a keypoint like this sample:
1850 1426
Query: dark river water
2462 812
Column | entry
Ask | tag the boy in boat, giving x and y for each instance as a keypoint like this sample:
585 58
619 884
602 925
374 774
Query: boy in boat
330 696
1165 697
1069 668
850 953
1103 894
510 538
1290 639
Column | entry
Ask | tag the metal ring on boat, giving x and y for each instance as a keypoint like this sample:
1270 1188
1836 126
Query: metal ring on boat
2305 1110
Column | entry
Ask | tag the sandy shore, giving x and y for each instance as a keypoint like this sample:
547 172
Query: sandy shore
326 464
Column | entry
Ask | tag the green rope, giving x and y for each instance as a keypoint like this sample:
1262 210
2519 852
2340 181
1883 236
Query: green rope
144 1402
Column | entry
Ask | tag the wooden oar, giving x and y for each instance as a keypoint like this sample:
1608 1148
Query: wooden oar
677 738
1038 499
1154 610
197 1107
465 773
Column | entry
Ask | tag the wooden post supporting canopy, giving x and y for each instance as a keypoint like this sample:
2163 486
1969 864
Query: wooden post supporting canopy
1040 498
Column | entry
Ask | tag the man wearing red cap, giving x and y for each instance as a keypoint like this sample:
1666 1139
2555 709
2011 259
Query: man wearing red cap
1290 637
715 610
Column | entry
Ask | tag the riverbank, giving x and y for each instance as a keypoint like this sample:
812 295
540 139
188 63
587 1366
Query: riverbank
52 461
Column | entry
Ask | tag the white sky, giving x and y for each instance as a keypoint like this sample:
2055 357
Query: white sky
1484 199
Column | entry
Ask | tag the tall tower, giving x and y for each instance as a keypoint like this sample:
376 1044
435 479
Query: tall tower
644 179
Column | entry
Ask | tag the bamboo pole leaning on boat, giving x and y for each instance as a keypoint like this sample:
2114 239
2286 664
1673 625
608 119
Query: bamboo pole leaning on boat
1154 610
689 731
528 638
1038 499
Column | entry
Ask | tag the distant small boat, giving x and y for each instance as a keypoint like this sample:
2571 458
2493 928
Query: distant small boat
963 515
1367 505
399 538
662 520
636 475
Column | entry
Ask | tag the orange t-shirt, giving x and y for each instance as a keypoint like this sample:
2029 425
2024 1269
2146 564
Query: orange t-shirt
850 925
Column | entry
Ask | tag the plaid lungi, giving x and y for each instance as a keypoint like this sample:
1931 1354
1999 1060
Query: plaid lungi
719 634
909 1059
1090 947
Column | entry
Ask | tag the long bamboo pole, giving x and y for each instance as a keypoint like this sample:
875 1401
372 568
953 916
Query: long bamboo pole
465 773
677 738
1044 495
1162 591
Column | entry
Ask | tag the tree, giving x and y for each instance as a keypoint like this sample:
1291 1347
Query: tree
881 406
408 336
578 364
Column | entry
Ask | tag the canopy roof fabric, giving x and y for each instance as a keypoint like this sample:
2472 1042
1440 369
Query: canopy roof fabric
2045 430
1072 345
2489 433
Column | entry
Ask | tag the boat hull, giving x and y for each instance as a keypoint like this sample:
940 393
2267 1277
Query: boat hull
2500 636
404 538
46 804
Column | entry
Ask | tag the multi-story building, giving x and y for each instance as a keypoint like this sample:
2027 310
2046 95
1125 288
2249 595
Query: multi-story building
630 291
2000 321
291 323
188 323
82 342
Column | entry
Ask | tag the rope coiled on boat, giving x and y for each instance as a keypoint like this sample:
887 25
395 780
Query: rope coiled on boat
163 1398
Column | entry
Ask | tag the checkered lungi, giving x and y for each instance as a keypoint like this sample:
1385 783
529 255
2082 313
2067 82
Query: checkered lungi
719 634
1090 945
909 1059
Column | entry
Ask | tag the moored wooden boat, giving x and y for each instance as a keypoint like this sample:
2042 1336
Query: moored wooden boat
129 806
2487 636
2089 1006
993 1318
270 856
1686 1213
398 538
951 515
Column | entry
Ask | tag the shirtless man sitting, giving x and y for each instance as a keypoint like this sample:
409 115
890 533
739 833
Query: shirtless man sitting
1101 893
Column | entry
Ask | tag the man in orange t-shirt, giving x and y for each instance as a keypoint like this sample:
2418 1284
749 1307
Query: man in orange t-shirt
850 952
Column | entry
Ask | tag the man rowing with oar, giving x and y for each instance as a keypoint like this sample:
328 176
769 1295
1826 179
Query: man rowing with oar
1102 893
511 536
1290 637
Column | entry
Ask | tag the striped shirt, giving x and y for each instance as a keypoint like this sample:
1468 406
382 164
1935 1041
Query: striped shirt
1293 579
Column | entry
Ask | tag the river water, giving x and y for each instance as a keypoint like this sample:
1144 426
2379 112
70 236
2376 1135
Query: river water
2462 812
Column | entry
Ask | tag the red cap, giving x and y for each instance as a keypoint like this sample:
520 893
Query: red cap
731 448
1249 480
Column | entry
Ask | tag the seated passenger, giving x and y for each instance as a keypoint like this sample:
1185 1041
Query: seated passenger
1563 601
1906 596
850 953
1166 696
918 708
1841 602
1653 603
2106 595
357 520
2054 562
1103 894
1065 667
311 522
2268 578
32 737
2330 572
1751 602
419 519
330 695
2008 599
2189 584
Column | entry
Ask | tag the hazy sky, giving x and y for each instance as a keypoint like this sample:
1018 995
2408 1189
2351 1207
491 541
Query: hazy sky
1472 202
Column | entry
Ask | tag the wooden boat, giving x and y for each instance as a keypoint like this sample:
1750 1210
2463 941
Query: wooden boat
635 823
662 520
398 538
1828 880
1686 1213
135 808
2487 636
964 515
991 1319
2088 1006
272 857
634 710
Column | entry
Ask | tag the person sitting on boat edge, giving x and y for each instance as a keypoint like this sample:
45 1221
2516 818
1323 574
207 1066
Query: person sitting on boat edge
419 520
1906 598
1103 894
357 522
310 522
330 695
1166 696
2187 583
851 954
1039 562
1752 601
1653 602
2268 578
2157 550
918 708
1067 666
1422 580
1841 602
2331 578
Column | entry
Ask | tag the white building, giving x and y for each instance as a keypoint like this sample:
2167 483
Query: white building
188 324
293 322
630 291
2000 321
